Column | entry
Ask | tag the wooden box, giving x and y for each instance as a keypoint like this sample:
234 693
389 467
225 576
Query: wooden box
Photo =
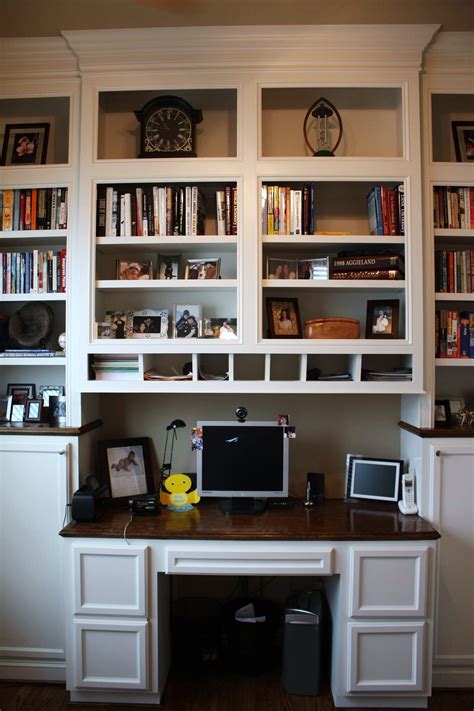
332 328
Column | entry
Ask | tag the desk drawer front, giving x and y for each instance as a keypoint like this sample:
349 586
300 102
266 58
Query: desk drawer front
242 561
388 582
110 581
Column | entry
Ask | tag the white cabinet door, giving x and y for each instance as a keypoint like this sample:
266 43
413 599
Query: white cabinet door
453 513
111 654
33 496
385 657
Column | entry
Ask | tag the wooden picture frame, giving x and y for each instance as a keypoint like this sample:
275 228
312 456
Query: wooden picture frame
463 137
34 410
125 466
382 318
21 392
25 144
283 317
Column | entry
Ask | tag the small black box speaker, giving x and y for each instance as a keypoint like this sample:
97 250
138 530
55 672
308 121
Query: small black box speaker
316 487
86 507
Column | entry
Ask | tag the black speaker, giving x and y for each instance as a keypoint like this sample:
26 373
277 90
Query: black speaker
316 487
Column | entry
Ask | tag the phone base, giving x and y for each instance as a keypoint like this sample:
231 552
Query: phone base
411 509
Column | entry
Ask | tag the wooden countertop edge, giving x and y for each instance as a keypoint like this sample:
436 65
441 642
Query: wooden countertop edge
219 537
438 432
43 431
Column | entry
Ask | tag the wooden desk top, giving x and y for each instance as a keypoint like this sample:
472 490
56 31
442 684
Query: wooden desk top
335 520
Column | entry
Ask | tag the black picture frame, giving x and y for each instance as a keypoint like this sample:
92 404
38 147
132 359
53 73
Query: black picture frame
125 466
34 410
275 308
21 392
463 138
25 144
382 318
442 413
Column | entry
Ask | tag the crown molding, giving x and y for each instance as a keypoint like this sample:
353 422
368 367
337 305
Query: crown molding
450 53
297 46
25 57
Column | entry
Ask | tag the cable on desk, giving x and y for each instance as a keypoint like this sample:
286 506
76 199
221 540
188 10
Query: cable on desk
125 529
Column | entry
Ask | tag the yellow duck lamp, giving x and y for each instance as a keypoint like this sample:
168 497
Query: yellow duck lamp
178 495
175 490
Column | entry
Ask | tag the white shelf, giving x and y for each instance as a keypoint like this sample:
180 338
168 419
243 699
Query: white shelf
33 297
115 285
458 233
55 360
53 237
454 362
169 244
342 240
333 284
454 296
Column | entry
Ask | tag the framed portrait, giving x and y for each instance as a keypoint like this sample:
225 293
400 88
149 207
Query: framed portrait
382 319
442 413
147 323
463 136
134 270
47 391
125 466
25 144
223 328
33 410
5 408
21 392
18 413
118 321
283 318
168 266
104 330
187 320
282 268
203 268
57 410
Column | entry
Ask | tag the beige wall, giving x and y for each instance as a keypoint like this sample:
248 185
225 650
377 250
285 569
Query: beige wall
43 18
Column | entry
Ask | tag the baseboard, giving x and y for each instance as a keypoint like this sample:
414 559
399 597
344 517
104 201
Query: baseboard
15 670
449 678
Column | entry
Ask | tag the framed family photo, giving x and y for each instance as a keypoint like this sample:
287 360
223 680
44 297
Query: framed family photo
25 144
463 137
147 323
283 318
125 466
187 320
282 268
382 319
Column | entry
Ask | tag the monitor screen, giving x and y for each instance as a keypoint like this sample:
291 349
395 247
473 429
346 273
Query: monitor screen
247 459
376 479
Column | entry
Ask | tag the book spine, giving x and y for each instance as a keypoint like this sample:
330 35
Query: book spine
378 209
235 211
228 208
101 211
220 212
393 211
145 223
298 211
16 210
270 210
368 274
366 263
194 210
170 197
54 207
139 211
156 210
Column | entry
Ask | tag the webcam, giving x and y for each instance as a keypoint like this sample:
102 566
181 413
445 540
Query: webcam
241 413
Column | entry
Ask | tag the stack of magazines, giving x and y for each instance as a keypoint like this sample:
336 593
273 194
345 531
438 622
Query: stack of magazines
402 374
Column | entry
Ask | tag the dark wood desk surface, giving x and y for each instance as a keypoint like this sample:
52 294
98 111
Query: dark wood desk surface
335 520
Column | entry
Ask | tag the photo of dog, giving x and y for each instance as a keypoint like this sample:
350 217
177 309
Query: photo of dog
203 268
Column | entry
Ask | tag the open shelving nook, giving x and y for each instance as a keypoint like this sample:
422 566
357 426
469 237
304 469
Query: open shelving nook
254 104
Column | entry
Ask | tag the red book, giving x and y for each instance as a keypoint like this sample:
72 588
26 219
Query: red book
393 212
34 196
471 206
385 209
22 209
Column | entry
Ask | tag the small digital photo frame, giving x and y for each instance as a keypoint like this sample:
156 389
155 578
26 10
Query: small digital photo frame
376 479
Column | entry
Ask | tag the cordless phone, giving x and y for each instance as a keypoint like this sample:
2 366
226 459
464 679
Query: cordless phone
407 504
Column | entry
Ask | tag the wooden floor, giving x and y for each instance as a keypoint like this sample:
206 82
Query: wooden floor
206 692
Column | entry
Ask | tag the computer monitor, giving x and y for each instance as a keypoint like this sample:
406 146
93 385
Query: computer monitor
245 461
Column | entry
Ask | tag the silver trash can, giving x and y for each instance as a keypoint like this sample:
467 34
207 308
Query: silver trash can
302 643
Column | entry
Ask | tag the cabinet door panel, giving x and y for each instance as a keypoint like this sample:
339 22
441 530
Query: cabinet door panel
385 656
388 582
33 494
110 581
111 654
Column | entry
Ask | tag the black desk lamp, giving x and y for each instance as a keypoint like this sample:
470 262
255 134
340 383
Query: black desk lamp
165 469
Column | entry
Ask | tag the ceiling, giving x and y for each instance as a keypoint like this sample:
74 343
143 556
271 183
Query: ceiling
46 18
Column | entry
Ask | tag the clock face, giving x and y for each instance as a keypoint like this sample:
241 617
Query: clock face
168 130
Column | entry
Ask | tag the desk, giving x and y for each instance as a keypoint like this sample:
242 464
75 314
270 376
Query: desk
378 568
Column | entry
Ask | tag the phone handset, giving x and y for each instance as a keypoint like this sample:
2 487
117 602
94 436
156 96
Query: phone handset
407 505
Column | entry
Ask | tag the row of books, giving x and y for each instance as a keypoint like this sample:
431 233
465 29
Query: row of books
164 210
34 272
454 271
454 334
33 209
386 208
288 210
453 207
31 353
376 266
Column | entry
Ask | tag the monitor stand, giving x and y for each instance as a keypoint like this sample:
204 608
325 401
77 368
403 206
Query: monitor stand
242 505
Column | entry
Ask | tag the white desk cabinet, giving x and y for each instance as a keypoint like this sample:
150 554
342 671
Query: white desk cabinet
35 480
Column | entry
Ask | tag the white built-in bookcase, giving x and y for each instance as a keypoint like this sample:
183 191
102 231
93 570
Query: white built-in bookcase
448 95
254 98
39 84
